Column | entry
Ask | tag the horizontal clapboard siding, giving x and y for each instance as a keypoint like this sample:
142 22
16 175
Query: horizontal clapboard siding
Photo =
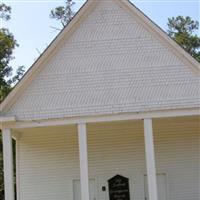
48 159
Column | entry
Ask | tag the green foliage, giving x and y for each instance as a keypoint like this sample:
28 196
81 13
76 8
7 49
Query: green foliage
182 30
63 13
19 73
7 45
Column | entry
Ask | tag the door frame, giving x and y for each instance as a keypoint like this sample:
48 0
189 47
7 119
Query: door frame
167 183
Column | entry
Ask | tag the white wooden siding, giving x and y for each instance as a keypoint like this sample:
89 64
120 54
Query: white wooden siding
48 159
110 64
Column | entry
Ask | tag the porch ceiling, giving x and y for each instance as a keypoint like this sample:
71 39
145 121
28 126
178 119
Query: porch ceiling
157 124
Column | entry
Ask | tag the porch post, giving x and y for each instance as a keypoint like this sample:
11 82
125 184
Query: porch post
8 164
150 159
83 156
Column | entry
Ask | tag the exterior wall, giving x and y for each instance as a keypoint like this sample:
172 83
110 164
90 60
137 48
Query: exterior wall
48 160
110 64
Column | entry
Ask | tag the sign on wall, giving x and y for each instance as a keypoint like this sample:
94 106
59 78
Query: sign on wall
119 188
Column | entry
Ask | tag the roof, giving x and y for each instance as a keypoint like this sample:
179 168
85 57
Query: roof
177 88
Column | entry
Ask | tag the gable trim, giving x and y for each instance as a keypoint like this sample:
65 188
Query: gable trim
72 26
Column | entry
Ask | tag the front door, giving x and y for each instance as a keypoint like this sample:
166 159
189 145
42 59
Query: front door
77 189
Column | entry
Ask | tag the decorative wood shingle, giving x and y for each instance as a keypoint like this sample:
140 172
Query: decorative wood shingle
111 63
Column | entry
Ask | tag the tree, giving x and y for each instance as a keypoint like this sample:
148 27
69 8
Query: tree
63 13
182 30
7 45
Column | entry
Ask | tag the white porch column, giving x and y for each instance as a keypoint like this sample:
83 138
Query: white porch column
150 159
83 156
8 164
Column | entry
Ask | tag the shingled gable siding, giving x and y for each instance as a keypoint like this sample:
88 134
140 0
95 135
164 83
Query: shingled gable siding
111 64
48 159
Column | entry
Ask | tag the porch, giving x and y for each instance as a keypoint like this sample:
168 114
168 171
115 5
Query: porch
75 161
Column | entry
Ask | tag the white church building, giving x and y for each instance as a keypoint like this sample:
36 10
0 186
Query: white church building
110 111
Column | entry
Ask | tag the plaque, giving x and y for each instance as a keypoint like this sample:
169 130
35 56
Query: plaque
119 188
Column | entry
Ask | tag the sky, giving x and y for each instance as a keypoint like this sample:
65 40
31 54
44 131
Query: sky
31 25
